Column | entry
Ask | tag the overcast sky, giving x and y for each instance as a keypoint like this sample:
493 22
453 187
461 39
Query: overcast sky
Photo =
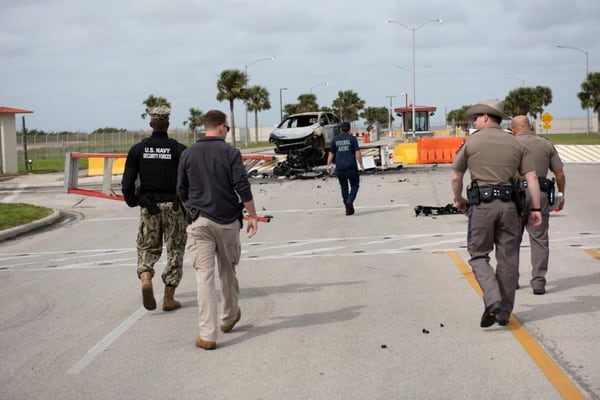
82 65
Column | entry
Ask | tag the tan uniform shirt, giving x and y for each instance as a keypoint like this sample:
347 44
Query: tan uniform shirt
493 157
542 151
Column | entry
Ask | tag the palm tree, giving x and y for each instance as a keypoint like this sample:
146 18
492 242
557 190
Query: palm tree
195 120
590 94
527 100
376 114
307 102
258 100
153 101
231 86
348 105
457 117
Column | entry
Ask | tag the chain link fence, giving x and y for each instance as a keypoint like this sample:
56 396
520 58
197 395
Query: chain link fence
52 146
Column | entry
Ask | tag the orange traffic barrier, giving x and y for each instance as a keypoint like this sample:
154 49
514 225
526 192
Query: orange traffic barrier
437 150
366 138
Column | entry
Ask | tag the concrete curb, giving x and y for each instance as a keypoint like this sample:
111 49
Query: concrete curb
19 230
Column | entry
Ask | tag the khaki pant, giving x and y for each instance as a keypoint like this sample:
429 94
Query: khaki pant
495 225
207 240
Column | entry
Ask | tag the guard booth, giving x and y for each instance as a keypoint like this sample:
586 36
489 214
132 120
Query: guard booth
8 139
422 117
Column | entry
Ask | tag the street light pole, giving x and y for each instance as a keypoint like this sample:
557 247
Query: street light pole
413 29
405 95
246 101
391 111
319 84
517 79
587 72
281 103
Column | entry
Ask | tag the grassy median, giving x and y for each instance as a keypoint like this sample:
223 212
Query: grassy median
15 214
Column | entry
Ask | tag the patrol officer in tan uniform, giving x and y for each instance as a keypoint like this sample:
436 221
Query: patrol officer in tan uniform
154 161
545 157
493 157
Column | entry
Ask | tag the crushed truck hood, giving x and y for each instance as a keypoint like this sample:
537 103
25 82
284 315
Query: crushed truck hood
293 133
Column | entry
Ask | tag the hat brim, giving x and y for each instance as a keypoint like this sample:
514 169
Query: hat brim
483 109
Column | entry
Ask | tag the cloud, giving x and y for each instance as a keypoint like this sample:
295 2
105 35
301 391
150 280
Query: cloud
85 65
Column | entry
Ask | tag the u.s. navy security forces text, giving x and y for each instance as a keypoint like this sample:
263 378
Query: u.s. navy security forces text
161 153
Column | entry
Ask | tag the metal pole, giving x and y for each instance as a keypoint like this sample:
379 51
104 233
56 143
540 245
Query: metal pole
246 113
390 120
246 101
319 84
517 79
414 80
413 29
589 129
281 103
587 73
26 164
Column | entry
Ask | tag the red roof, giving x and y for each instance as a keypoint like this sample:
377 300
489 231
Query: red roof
10 110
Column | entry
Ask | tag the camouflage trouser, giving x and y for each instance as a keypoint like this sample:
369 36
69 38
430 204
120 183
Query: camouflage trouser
170 225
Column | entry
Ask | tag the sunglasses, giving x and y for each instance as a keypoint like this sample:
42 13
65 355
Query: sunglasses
476 116
226 127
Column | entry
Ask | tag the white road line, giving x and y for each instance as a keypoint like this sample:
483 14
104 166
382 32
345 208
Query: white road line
579 153
106 342
14 194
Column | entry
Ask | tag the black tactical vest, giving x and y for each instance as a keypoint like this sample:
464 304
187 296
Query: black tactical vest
158 165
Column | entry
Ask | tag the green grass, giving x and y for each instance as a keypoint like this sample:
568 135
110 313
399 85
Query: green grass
15 214
50 165
580 138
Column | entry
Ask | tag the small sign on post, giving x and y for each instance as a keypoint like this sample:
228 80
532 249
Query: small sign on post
546 119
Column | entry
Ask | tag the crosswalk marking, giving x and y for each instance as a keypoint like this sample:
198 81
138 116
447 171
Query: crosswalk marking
578 153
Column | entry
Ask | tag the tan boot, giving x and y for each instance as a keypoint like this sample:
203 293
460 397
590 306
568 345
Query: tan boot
169 303
147 292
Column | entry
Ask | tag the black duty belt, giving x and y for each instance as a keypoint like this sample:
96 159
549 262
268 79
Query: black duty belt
546 184
489 193
486 194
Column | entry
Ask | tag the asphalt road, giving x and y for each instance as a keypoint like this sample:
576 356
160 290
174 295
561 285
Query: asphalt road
379 305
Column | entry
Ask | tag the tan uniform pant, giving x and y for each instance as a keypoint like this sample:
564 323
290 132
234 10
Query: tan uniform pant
539 243
495 225
207 240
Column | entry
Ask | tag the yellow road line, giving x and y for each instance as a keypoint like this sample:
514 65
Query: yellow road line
594 253
553 372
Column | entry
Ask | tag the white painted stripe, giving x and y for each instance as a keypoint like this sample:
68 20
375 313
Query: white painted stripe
14 194
578 153
106 342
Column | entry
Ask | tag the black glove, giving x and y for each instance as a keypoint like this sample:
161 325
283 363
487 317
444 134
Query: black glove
131 201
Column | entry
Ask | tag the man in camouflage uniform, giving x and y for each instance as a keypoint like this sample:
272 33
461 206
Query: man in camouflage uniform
545 157
493 158
154 161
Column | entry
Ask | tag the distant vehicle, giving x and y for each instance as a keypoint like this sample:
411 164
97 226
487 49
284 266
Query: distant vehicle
304 138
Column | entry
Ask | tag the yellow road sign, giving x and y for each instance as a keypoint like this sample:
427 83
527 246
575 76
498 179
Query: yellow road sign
546 118
546 126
